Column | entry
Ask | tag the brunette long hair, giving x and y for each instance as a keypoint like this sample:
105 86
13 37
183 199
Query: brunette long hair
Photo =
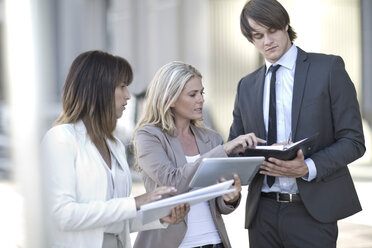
89 92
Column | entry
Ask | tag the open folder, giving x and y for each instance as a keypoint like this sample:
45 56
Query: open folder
284 152
158 209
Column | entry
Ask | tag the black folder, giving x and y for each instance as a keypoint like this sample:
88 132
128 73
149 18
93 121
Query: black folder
284 152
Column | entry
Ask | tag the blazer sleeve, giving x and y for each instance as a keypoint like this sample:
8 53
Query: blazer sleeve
348 144
224 208
137 226
152 154
60 151
237 127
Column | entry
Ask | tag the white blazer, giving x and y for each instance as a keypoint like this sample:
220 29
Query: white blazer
77 187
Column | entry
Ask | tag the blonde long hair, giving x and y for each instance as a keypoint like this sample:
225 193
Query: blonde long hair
162 92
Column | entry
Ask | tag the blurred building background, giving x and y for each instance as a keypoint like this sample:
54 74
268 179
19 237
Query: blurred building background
40 38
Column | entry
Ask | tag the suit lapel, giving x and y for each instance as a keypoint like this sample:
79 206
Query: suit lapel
258 105
300 76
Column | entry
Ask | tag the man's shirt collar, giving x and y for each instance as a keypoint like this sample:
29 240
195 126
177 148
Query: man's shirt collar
288 60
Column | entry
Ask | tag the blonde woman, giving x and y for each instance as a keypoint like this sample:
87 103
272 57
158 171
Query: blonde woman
89 182
170 142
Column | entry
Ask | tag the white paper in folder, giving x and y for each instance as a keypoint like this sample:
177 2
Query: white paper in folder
158 209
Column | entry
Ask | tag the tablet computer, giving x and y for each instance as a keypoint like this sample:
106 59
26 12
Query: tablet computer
212 169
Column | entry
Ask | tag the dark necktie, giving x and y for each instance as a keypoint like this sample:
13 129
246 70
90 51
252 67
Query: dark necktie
271 134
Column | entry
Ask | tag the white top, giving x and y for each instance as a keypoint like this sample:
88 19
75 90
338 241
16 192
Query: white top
201 229
115 177
77 190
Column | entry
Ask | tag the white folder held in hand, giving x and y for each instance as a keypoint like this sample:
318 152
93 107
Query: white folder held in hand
158 209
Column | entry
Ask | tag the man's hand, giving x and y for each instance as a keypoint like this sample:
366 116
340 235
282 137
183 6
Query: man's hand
280 168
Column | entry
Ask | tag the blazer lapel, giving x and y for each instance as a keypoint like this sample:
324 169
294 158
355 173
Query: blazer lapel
258 105
203 142
87 142
300 76
119 157
90 162
177 149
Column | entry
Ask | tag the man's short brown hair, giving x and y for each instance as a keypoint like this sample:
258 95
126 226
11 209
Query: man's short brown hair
269 13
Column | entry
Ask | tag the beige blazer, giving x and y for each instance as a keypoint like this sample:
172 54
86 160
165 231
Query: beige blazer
163 162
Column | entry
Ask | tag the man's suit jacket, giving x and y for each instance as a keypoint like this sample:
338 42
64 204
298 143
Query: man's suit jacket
324 101
163 162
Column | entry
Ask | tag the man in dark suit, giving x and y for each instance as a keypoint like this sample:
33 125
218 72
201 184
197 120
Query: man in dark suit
297 203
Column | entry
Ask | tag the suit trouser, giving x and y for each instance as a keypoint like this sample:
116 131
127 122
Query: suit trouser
289 225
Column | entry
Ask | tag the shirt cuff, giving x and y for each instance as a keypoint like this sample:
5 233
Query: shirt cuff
312 170
163 224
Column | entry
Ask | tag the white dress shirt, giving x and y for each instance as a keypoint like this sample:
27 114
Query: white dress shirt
284 95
